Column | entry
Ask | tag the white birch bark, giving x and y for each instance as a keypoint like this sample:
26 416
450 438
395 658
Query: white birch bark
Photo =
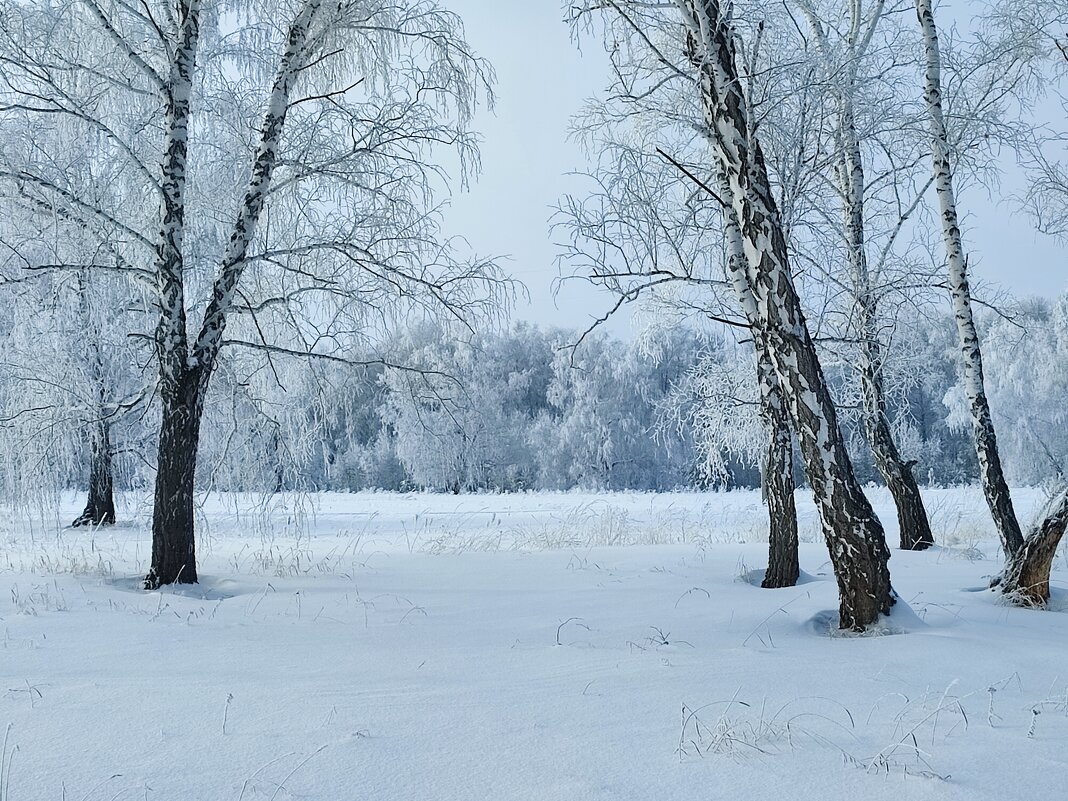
171 337
233 264
854 534
913 523
992 475
777 474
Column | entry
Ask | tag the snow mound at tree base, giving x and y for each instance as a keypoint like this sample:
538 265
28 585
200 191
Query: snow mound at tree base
901 620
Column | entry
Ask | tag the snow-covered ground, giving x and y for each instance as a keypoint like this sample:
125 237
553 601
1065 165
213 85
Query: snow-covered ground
544 646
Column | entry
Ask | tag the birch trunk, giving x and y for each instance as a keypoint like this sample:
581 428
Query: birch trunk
1026 577
233 265
173 551
184 371
995 487
854 534
777 467
1028 561
777 480
913 524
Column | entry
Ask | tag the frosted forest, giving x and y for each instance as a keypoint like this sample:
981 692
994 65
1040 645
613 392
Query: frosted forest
749 476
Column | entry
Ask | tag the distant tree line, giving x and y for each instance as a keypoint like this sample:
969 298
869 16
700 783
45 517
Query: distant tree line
527 409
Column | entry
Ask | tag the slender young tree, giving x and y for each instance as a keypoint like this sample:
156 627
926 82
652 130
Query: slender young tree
843 75
100 501
995 487
1028 560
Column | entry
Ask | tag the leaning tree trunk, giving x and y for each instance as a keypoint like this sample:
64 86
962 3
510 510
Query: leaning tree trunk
913 525
777 468
173 543
995 487
854 534
777 481
100 505
1026 577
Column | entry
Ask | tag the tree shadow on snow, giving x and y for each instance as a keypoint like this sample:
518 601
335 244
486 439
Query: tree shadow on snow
756 578
208 589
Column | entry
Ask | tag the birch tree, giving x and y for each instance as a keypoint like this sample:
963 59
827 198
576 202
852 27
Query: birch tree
336 110
843 55
78 388
650 235
74 391
854 534
777 468
1028 559
710 44
995 487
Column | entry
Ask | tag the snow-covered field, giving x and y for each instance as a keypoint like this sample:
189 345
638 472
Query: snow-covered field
541 646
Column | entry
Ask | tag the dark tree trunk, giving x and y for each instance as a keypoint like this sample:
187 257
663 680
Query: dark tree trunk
1026 577
276 457
100 505
911 513
777 480
914 526
855 537
173 544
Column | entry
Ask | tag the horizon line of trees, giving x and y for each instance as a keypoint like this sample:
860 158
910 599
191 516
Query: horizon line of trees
523 408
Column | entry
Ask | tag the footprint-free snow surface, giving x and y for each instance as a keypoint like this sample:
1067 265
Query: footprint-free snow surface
541 647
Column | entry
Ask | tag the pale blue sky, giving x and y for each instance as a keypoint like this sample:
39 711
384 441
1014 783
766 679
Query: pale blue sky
542 81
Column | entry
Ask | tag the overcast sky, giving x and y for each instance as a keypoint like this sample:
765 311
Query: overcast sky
542 80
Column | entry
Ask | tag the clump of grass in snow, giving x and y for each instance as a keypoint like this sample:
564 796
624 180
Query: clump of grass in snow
39 598
741 730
